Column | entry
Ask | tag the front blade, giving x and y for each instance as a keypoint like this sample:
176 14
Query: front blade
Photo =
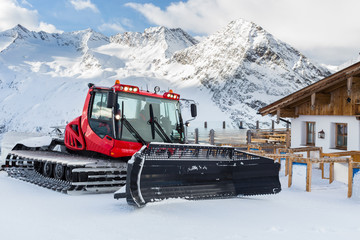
163 171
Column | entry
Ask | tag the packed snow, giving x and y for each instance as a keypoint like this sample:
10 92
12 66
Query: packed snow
31 212
323 213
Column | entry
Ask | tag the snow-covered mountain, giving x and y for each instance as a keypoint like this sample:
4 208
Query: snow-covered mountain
348 63
246 68
43 77
168 40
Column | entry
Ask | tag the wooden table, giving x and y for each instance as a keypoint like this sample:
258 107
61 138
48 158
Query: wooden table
310 161
354 154
355 163
350 181
307 149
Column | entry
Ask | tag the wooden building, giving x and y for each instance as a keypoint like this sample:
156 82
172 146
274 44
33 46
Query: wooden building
325 114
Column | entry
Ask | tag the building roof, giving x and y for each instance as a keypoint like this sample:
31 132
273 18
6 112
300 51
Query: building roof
321 88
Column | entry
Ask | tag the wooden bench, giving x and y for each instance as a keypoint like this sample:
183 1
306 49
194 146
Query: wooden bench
283 152
257 152
259 140
266 148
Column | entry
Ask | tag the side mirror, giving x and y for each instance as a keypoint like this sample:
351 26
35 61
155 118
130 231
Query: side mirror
111 100
193 110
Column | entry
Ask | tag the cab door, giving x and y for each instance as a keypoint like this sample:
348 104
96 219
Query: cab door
100 135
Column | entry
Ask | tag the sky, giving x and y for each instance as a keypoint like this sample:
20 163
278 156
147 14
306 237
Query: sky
327 31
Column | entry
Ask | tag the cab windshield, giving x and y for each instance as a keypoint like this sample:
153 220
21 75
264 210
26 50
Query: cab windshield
137 113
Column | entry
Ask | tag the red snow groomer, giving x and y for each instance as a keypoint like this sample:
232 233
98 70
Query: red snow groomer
126 136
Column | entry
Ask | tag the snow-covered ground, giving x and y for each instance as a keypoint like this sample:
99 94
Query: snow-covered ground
31 212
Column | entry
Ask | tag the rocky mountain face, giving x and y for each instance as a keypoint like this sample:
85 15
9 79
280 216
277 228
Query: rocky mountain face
246 68
80 40
170 40
232 73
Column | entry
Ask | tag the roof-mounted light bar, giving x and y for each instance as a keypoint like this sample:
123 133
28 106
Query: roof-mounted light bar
133 89
171 95
125 88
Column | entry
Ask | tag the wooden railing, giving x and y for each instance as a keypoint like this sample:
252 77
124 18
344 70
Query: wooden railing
241 137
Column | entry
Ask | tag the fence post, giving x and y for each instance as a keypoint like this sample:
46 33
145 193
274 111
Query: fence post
196 135
248 136
212 137
257 124
205 124
224 124
241 125
288 139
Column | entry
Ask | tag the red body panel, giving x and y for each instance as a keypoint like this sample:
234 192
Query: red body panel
94 142
86 139
124 149
74 138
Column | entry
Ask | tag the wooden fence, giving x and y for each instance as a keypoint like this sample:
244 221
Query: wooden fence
241 137
218 137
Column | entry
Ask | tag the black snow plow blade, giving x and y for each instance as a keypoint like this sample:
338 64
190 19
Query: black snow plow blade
162 171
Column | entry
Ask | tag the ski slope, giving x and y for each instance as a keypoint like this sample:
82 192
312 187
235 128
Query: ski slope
31 212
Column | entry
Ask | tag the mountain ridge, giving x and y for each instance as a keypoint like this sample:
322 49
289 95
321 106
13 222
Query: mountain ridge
239 69
231 73
173 39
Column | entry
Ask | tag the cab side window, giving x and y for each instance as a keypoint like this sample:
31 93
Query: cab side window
100 116
99 109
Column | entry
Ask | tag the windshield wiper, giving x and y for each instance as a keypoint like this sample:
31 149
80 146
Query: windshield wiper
155 126
130 127
179 125
133 131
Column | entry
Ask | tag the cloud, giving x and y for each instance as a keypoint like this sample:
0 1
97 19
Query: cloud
12 14
24 2
84 4
46 27
197 16
115 26
112 27
127 22
304 24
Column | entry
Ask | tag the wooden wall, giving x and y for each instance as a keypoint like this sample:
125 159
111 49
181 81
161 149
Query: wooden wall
335 101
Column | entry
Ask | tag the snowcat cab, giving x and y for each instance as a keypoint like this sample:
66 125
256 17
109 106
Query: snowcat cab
118 121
